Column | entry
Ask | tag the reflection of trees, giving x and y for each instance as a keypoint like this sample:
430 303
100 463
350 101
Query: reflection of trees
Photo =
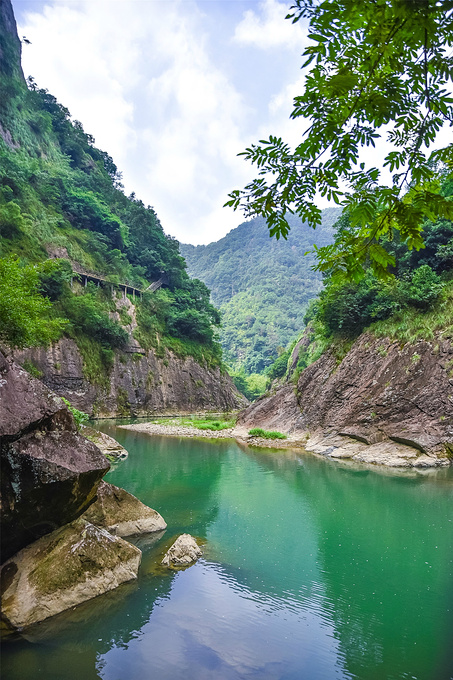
384 544
175 476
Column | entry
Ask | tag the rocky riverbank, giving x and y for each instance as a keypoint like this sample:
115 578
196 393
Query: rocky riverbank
61 524
383 404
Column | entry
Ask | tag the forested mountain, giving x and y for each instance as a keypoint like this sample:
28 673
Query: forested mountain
62 209
262 286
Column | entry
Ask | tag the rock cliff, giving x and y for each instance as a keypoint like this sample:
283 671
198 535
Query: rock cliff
384 403
139 383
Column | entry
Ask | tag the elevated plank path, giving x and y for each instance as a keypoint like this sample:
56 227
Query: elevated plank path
85 277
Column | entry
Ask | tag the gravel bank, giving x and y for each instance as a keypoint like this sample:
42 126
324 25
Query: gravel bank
230 433
179 431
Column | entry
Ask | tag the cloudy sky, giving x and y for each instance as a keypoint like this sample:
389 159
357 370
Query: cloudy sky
173 90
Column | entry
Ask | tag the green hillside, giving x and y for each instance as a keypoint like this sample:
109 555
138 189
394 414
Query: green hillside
62 208
262 286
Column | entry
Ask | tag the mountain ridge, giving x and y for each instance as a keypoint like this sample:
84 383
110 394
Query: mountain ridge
262 286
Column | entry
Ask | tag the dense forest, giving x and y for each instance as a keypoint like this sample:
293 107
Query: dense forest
262 286
62 208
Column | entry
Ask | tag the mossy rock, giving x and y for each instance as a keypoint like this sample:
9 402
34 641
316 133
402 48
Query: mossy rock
121 513
63 569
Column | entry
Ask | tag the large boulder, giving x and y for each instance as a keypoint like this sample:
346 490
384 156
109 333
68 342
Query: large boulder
49 473
183 552
121 513
63 569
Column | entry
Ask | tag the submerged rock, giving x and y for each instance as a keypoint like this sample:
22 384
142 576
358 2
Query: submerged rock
121 513
183 552
49 472
63 569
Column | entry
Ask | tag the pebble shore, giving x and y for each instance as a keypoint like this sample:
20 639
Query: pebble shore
230 433
179 431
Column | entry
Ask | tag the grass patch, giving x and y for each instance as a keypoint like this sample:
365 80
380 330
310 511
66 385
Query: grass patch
411 325
30 367
212 423
266 434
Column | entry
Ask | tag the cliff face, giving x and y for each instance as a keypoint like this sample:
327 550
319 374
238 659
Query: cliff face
383 404
138 384
10 45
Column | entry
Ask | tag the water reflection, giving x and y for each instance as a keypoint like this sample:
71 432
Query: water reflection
312 569
215 627
385 550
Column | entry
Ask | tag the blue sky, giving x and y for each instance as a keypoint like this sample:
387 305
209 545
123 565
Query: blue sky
173 90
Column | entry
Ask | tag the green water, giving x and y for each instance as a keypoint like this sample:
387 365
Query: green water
312 570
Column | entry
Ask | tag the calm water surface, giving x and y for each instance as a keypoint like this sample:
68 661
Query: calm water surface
312 570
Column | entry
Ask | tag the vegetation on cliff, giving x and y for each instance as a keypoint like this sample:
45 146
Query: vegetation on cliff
262 287
411 304
61 197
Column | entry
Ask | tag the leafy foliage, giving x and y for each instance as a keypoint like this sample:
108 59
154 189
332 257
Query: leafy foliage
251 386
25 315
376 70
79 416
346 308
88 316
413 303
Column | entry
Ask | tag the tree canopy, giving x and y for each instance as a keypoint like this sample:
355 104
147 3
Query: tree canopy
378 70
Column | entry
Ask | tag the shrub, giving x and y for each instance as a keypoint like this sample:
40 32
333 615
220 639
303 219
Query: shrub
424 288
53 275
79 416
266 434
87 315
25 319
251 386
12 221
278 368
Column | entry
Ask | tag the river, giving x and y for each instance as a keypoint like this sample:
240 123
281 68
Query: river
312 570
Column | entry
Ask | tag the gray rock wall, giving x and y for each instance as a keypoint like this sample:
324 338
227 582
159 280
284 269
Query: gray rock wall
381 394
139 384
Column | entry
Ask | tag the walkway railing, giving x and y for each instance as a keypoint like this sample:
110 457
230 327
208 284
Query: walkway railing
85 277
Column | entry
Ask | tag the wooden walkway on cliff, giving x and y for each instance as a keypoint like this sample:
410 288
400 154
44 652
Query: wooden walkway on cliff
85 277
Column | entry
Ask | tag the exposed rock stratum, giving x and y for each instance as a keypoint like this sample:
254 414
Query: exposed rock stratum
384 403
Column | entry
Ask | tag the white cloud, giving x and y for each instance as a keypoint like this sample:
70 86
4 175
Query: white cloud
172 102
69 56
141 79
267 29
